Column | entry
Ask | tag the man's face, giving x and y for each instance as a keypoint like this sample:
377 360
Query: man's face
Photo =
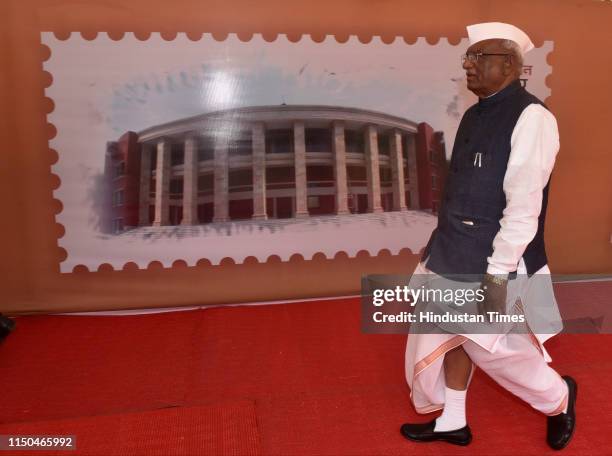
491 72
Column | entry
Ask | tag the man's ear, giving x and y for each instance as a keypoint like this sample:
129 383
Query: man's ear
509 65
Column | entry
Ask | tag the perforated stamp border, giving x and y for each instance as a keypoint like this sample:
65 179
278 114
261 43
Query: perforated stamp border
330 236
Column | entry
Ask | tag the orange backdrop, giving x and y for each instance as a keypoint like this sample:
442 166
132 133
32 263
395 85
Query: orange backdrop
579 222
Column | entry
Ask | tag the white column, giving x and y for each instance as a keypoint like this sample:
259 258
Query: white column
413 175
301 189
259 171
162 184
397 171
144 196
340 168
372 169
190 182
221 182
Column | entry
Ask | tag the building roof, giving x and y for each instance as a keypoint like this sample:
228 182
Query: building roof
280 116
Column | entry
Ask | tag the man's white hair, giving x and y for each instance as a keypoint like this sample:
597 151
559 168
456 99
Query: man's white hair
514 48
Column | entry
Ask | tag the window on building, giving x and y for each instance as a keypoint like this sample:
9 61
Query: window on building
240 180
242 145
312 202
434 182
383 144
154 159
280 177
120 169
177 154
279 141
205 183
408 145
118 197
385 176
354 141
357 176
320 176
118 225
206 148
318 140
176 188
432 156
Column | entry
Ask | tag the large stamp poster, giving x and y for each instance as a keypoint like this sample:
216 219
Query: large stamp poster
207 149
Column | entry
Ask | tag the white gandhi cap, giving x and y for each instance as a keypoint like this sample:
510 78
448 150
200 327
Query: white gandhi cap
489 30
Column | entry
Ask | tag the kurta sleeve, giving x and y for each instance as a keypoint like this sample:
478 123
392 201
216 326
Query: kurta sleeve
534 146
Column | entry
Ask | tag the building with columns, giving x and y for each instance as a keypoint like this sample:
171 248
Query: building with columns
266 162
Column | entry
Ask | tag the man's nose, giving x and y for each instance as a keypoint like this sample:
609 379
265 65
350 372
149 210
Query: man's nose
467 64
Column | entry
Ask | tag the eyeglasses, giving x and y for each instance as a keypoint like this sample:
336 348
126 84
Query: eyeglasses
473 57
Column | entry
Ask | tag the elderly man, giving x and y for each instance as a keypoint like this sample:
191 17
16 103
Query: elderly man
491 224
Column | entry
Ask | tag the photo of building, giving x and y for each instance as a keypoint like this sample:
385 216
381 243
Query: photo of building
265 162
206 150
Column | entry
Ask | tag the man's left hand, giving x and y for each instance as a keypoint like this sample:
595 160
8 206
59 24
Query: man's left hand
495 290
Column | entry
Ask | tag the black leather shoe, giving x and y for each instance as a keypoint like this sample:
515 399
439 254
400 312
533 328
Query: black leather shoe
561 427
424 432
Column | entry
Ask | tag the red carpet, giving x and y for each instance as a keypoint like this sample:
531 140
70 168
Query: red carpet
282 379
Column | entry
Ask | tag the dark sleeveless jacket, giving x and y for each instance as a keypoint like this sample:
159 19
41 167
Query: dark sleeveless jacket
474 188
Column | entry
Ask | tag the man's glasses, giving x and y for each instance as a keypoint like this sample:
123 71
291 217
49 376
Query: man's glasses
473 57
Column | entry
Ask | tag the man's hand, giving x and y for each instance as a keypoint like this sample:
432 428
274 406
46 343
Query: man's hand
495 292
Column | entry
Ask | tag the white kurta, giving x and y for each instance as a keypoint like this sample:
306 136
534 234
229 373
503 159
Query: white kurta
534 146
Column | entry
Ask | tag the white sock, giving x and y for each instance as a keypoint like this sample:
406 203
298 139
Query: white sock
453 416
